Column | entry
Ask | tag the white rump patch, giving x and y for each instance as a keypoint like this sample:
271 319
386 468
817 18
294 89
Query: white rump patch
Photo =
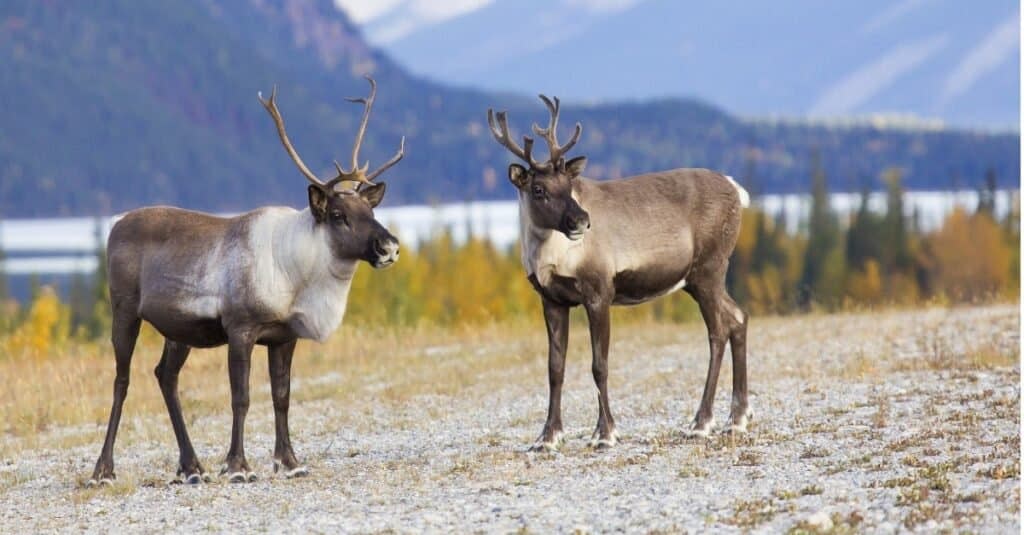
744 196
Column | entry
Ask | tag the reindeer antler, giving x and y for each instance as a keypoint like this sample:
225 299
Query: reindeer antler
356 174
271 106
550 134
502 134
555 152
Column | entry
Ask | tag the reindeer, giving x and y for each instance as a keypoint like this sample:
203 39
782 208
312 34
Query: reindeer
624 242
267 277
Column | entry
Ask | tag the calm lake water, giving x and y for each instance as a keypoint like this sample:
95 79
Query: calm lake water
61 247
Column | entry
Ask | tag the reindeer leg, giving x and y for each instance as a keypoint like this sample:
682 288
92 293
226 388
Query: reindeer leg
173 358
239 360
739 414
599 317
556 317
279 358
124 333
709 299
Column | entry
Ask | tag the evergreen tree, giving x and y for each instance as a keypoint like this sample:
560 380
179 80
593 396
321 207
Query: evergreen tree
767 246
80 302
862 242
822 238
895 242
987 195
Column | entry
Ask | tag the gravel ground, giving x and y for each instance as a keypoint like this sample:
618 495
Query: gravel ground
867 422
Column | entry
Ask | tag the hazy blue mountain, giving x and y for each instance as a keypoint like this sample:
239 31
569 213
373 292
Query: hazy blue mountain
114 104
949 59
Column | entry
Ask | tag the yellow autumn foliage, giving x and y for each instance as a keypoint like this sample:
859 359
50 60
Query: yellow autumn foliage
972 257
865 286
46 327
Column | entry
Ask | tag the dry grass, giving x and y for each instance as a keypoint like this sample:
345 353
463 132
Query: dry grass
389 365
420 410
392 365
74 389
71 391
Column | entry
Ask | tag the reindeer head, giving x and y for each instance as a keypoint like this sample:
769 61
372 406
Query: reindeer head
548 188
347 213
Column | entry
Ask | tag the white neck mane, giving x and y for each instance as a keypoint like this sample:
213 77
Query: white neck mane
546 252
295 273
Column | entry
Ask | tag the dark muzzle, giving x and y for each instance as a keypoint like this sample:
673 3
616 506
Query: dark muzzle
385 250
576 223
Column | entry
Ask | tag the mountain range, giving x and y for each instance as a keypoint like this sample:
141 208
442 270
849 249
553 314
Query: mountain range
946 60
113 104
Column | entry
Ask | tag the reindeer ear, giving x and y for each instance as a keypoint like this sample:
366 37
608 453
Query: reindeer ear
318 203
373 194
575 166
517 175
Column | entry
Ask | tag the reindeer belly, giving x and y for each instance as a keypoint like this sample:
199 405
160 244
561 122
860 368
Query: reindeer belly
187 329
187 319
635 287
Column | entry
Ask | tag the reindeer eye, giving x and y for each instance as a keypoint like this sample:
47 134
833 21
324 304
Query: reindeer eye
538 192
338 217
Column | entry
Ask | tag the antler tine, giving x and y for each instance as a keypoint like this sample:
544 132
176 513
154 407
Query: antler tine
572 140
275 114
528 149
367 106
550 134
359 177
359 174
394 159
552 121
504 136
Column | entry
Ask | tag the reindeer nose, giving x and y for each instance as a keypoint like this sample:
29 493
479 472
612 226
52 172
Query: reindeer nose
385 247
579 222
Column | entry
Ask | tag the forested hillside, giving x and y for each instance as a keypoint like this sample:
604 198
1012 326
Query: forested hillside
112 104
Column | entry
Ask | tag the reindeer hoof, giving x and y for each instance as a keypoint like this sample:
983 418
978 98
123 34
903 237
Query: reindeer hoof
237 471
601 444
298 471
699 430
544 447
191 479
194 478
549 445
101 482
242 477
290 473
738 425
239 475
191 473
